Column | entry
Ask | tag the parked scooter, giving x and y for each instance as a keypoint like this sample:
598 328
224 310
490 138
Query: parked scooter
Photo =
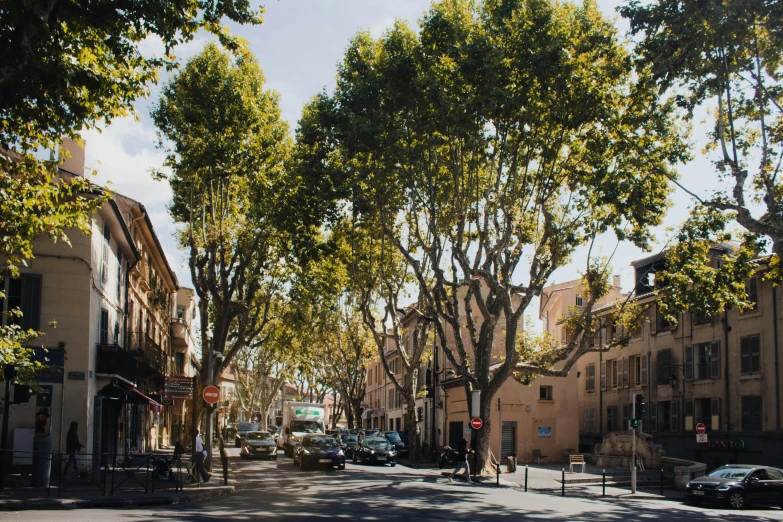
163 468
448 457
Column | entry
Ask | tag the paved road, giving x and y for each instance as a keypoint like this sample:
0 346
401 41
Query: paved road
278 490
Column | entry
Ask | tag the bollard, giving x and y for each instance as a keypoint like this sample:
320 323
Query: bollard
498 474
562 492
603 482
526 468
661 481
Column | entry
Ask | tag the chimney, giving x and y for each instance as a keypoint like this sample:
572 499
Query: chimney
74 164
616 280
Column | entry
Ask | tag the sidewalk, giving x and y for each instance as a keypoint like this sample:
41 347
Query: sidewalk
82 496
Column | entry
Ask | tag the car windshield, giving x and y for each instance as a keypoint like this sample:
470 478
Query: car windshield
306 427
248 426
319 442
350 439
729 473
393 436
378 443
259 435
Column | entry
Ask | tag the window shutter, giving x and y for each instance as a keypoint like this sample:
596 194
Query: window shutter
715 413
618 373
653 417
715 353
644 369
31 301
653 317
689 375
745 355
626 373
104 326
688 415
626 416
675 415
603 375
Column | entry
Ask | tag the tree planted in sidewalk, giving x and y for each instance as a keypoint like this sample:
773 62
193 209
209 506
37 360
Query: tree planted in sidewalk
489 147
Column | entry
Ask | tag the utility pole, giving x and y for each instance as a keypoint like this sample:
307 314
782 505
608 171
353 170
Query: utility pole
633 446
10 375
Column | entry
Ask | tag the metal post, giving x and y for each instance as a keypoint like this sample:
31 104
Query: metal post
633 447
500 438
434 429
193 417
526 468
661 481
562 484
603 482
9 374
208 426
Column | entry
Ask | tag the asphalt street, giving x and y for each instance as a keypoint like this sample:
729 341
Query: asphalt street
278 490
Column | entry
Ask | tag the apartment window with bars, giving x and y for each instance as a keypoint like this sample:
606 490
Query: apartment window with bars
580 300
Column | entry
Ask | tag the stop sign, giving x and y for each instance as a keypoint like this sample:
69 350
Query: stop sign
701 428
211 394
476 423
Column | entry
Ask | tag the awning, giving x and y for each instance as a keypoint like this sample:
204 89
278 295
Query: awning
154 405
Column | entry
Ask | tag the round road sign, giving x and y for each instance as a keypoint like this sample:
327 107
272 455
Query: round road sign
701 428
476 423
211 394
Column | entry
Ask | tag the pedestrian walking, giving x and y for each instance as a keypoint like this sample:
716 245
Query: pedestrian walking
462 460
201 454
72 447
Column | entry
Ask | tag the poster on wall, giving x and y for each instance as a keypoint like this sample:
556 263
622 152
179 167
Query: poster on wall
544 432
43 411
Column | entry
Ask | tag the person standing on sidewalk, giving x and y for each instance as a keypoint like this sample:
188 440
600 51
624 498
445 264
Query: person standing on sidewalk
72 447
462 460
201 454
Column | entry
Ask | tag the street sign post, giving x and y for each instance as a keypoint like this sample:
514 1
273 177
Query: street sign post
211 394
476 423
701 438
701 428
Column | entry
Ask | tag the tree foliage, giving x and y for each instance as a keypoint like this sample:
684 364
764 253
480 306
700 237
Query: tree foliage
724 56
489 147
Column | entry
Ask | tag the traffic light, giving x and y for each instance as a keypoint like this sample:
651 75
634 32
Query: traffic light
640 407
635 423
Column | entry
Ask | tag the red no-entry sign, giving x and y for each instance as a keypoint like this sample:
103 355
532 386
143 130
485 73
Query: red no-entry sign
476 423
701 428
211 394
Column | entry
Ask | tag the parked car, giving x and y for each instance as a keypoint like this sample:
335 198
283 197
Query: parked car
738 485
318 449
375 450
348 443
394 438
259 444
244 428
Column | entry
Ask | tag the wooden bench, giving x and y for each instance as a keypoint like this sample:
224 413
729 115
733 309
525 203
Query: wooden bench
538 456
576 460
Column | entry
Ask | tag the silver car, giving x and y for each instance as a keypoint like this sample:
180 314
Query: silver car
259 444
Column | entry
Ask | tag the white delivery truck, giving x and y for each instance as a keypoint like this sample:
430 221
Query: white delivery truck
300 418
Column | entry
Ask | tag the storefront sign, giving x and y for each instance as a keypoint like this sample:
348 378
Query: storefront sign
737 444
178 387
544 432
76 376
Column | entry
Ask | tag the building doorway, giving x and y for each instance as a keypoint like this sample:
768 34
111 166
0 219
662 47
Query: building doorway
508 440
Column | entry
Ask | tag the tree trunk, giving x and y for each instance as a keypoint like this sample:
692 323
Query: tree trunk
412 428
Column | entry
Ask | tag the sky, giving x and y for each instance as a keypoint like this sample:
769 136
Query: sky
298 47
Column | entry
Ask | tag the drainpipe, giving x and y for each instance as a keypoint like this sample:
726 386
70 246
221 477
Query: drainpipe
777 373
726 329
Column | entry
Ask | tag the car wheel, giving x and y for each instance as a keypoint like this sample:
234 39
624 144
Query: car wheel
393 464
737 500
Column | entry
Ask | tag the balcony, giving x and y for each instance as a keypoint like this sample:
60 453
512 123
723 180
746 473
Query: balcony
113 360
179 335
148 352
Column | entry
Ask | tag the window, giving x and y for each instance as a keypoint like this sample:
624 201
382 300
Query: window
545 393
603 375
626 415
179 362
23 293
702 319
580 300
636 370
664 366
702 361
752 293
105 254
119 275
750 348
104 334
181 313
662 324
590 378
751 413
612 423
590 426
705 411
614 376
